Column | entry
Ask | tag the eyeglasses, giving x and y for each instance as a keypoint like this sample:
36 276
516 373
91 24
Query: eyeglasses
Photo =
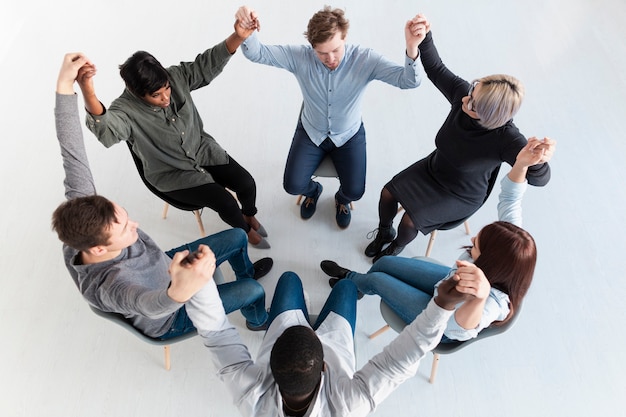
470 102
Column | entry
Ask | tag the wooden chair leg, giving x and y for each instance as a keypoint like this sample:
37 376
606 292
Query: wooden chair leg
467 228
165 207
168 363
380 331
198 215
431 241
299 199
433 371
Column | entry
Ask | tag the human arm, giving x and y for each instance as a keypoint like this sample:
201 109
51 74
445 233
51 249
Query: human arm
449 84
246 22
84 78
78 178
513 185
400 360
229 354
414 32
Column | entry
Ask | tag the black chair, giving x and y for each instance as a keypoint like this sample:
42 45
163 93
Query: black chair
169 201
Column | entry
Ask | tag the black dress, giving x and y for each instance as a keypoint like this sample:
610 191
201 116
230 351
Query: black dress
453 181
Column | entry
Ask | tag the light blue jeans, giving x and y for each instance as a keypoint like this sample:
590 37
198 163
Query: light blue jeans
243 294
405 284
304 158
289 295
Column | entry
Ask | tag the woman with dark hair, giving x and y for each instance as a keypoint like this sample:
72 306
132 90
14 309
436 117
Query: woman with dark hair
453 182
496 270
156 115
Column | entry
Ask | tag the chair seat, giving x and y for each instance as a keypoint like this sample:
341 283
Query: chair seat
120 320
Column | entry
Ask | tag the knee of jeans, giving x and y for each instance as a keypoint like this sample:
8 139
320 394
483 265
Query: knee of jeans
294 188
346 285
240 235
253 290
289 278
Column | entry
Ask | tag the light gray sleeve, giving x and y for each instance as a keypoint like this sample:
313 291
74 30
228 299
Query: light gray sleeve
78 179
397 362
510 201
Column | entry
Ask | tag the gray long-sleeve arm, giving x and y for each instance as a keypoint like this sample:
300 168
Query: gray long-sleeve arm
78 180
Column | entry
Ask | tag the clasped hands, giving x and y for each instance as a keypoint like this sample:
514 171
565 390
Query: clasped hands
468 282
189 277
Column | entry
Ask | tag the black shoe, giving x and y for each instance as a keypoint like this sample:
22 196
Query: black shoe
262 267
333 281
331 268
383 235
307 209
342 214
257 328
392 250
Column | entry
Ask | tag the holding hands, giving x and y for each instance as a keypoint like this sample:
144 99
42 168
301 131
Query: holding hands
190 275
415 31
75 65
247 20
536 151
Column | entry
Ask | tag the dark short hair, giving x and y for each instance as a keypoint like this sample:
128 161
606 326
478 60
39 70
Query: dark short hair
84 222
508 256
325 24
143 74
297 361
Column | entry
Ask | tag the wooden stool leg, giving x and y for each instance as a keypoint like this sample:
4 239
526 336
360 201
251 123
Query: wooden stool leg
429 248
198 215
299 199
380 331
467 228
165 207
433 371
168 364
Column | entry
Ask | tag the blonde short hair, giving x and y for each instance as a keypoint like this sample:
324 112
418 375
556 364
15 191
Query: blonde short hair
499 100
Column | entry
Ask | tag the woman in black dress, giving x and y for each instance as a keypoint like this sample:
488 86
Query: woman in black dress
454 181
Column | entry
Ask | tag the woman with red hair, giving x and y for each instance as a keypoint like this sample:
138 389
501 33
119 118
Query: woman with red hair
496 270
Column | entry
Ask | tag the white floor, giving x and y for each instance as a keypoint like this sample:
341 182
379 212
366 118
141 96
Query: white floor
563 357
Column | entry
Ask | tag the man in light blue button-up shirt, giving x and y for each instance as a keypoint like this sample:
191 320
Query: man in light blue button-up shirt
332 77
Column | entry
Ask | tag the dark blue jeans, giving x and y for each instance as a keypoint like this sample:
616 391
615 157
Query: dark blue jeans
244 294
304 158
289 295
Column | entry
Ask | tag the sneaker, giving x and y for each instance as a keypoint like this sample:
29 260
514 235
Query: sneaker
392 250
342 215
262 267
256 328
332 269
307 209
383 235
333 281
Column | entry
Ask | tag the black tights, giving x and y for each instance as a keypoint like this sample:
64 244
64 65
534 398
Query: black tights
216 197
387 210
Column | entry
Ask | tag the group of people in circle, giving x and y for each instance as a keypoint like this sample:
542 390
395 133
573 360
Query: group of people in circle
302 368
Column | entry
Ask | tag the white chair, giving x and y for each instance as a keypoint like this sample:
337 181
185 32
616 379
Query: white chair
326 169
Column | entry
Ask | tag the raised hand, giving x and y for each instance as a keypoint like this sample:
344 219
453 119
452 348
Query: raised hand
72 64
415 31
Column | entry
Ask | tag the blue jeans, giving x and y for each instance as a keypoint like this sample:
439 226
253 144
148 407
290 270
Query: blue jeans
244 294
405 284
289 295
304 158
